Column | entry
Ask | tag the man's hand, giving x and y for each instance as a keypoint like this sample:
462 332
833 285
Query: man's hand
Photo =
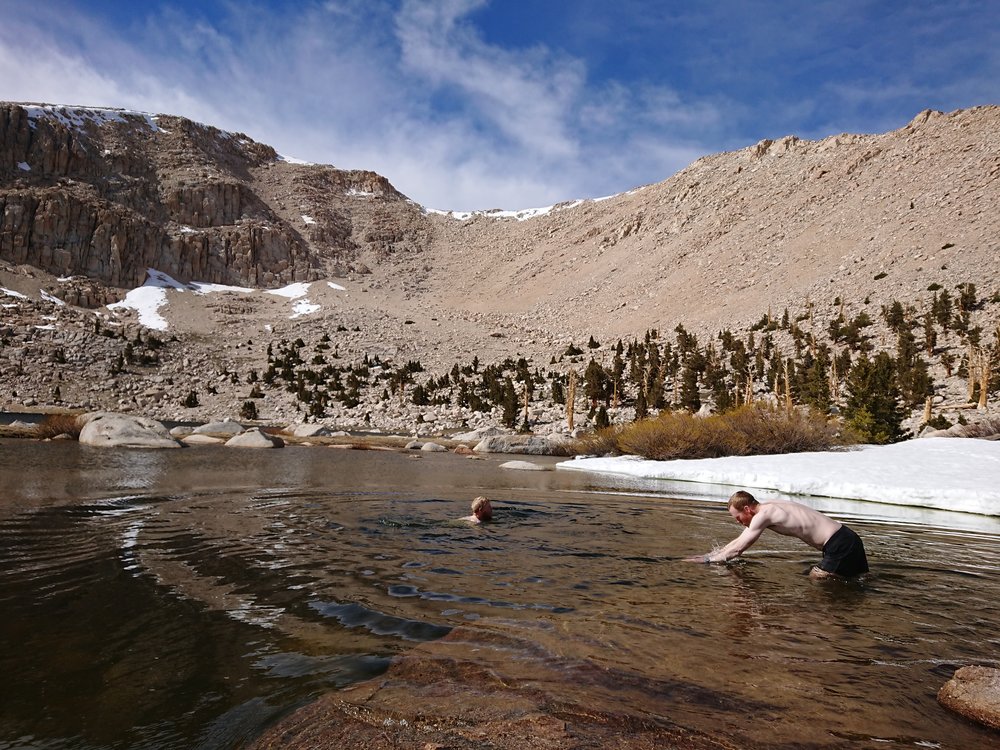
699 559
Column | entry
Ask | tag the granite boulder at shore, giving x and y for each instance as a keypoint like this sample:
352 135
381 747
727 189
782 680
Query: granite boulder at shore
974 692
110 430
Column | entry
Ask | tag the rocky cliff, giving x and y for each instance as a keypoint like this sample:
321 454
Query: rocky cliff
106 194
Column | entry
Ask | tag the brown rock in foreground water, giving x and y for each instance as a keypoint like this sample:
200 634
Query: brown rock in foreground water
476 689
974 692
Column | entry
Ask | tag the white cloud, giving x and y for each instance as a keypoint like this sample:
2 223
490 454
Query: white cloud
416 94
528 94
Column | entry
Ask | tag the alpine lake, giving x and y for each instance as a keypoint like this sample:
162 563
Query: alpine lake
193 598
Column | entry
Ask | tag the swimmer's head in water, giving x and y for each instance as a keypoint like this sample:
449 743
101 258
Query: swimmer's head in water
482 509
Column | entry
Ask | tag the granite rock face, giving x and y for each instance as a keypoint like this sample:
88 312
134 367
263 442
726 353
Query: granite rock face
974 692
90 199
106 194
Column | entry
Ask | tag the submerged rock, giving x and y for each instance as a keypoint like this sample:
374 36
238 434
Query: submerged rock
476 689
974 692
523 466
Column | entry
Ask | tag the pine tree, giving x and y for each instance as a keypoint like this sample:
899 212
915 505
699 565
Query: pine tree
941 307
595 383
813 380
641 408
930 334
912 374
510 404
872 408
248 410
690 397
419 395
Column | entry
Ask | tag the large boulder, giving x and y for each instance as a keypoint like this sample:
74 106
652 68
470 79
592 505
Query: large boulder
974 692
533 445
106 429
225 427
308 430
478 434
202 440
254 438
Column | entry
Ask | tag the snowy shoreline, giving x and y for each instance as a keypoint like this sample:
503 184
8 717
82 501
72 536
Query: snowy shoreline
944 474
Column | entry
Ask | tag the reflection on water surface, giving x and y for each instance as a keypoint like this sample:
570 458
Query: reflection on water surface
179 599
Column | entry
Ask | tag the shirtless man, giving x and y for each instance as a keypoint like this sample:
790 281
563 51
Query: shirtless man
843 550
482 510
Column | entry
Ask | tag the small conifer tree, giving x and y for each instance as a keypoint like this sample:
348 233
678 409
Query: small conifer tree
248 410
872 408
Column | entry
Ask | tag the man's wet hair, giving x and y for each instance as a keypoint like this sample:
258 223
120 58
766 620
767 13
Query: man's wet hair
741 500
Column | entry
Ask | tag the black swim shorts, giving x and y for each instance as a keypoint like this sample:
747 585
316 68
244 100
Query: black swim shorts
844 554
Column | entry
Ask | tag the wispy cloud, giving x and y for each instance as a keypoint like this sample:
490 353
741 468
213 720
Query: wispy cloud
413 92
602 98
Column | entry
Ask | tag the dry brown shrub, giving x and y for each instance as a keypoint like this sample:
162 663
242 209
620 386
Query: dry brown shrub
671 435
766 429
601 443
757 429
58 424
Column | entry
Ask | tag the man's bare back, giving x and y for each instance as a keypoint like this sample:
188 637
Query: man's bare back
800 521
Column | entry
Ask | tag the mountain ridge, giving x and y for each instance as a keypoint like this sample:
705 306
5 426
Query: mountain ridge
843 225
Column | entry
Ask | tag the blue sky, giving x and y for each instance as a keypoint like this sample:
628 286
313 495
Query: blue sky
477 104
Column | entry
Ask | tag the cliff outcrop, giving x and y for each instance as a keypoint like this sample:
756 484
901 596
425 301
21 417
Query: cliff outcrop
107 194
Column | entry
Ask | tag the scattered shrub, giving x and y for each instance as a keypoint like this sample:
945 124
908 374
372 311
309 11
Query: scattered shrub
756 429
600 443
248 410
940 422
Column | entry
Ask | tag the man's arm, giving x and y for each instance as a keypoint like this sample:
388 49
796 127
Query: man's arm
739 545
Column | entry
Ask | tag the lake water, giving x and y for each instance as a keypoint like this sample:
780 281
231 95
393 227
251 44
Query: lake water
190 598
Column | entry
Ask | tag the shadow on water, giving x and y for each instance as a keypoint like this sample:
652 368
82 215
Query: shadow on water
186 599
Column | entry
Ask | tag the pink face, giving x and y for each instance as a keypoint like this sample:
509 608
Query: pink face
743 517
